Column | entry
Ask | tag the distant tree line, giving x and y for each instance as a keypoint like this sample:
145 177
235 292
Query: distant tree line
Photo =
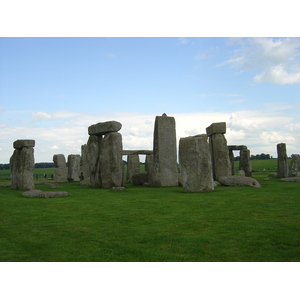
257 156
36 166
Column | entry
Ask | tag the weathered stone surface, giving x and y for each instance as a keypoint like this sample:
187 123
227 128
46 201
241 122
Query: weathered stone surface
231 158
5 185
291 179
117 189
73 167
294 166
103 128
163 170
93 153
216 128
41 194
111 163
245 163
85 181
220 156
133 166
60 173
22 166
23 143
237 147
84 163
195 164
140 178
242 173
239 181
142 152
282 165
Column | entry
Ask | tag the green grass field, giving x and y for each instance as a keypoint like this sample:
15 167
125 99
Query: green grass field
153 224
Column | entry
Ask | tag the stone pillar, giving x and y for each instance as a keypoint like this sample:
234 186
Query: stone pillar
164 170
245 163
73 167
60 173
22 165
105 155
282 165
195 164
231 157
133 166
219 150
84 163
293 170
111 163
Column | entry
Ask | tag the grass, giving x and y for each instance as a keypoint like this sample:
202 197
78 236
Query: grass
153 224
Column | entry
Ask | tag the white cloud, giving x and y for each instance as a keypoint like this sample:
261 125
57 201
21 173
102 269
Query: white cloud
183 41
278 59
41 116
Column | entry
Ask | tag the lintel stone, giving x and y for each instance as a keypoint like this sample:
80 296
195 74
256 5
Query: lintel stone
235 147
104 128
18 144
215 128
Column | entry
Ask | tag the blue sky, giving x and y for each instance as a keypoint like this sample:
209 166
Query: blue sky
52 89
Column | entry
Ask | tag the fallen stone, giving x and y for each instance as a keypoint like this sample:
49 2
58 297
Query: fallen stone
140 178
86 181
291 179
117 188
272 175
242 173
103 128
41 194
239 181
6 184
18 144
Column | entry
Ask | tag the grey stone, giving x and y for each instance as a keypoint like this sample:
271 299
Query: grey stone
220 156
237 147
239 181
163 170
216 128
23 143
111 163
231 158
195 164
294 166
84 163
245 163
22 166
117 189
142 152
73 167
282 165
133 166
242 173
85 181
93 153
140 178
41 194
103 128
60 173
291 179
4 185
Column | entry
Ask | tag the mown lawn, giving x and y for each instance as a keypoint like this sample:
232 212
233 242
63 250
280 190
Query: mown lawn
153 224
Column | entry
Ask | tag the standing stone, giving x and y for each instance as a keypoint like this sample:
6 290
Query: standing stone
220 156
195 164
93 153
293 170
282 165
73 167
133 166
164 170
84 163
245 163
231 158
111 163
60 173
22 165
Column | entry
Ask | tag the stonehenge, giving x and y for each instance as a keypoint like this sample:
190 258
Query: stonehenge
205 160
22 165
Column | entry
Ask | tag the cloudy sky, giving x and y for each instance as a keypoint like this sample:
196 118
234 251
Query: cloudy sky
52 89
